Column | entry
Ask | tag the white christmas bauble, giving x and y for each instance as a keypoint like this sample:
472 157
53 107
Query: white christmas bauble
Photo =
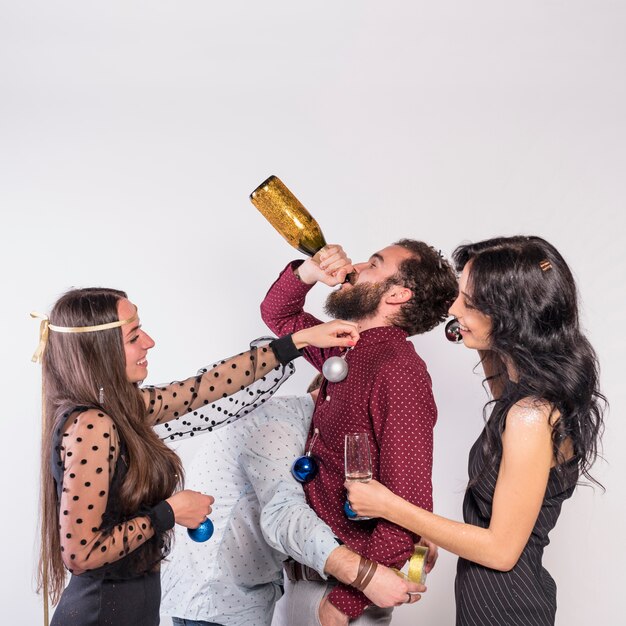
335 369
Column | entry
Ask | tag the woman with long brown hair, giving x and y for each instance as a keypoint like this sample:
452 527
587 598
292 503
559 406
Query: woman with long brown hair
110 486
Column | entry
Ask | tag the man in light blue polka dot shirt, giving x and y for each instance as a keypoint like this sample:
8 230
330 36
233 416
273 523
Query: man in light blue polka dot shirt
235 578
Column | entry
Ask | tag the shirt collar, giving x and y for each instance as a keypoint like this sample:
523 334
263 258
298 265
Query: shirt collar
380 334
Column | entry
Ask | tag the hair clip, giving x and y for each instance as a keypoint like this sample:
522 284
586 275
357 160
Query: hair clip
545 265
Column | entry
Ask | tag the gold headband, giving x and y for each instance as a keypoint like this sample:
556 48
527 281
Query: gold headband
46 326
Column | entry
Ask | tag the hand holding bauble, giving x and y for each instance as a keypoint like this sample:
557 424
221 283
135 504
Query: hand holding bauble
203 533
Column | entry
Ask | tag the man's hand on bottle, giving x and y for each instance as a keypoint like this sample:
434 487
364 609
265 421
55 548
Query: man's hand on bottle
330 266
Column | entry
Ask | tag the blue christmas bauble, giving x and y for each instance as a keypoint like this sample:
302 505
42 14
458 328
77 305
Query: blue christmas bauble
203 532
304 468
347 509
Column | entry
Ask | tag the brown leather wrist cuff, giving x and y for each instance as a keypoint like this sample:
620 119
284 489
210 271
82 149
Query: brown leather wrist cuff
360 573
370 575
366 571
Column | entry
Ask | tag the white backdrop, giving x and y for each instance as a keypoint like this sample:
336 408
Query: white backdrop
132 132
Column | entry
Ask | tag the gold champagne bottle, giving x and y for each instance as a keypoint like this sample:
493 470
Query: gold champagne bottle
287 215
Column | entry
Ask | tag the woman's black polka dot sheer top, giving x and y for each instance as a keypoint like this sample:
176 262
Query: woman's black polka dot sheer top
88 455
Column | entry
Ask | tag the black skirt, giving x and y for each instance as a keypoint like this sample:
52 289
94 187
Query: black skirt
90 601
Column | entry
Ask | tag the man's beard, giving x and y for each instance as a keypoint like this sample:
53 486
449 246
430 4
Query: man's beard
355 303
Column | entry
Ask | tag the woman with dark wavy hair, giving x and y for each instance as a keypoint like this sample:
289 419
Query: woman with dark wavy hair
110 486
518 307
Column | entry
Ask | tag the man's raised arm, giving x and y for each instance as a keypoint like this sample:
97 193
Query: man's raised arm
282 308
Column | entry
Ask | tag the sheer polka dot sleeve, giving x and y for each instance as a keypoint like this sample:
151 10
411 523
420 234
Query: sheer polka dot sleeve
218 395
88 451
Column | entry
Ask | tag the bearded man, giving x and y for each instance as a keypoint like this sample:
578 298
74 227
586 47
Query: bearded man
402 290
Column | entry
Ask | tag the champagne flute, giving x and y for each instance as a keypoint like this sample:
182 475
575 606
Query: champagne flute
358 465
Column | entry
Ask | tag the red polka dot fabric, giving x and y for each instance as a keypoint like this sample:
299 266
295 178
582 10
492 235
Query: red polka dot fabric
387 394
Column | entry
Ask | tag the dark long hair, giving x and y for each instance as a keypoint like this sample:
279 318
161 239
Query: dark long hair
526 288
75 366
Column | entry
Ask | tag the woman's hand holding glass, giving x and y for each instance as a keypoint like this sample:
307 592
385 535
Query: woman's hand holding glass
358 466
371 498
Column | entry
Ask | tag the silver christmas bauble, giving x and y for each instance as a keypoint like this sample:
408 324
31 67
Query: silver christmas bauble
335 369
453 331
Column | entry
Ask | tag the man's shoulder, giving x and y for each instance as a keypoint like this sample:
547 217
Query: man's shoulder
286 408
283 412
395 355
290 405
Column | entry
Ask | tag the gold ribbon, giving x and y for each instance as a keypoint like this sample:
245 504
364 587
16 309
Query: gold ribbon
43 336
46 326
417 562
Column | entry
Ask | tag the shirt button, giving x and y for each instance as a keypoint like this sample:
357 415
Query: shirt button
327 398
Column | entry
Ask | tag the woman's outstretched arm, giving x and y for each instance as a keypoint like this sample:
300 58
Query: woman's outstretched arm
178 398
522 479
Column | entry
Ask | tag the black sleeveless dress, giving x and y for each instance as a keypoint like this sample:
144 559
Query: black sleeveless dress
125 592
525 595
